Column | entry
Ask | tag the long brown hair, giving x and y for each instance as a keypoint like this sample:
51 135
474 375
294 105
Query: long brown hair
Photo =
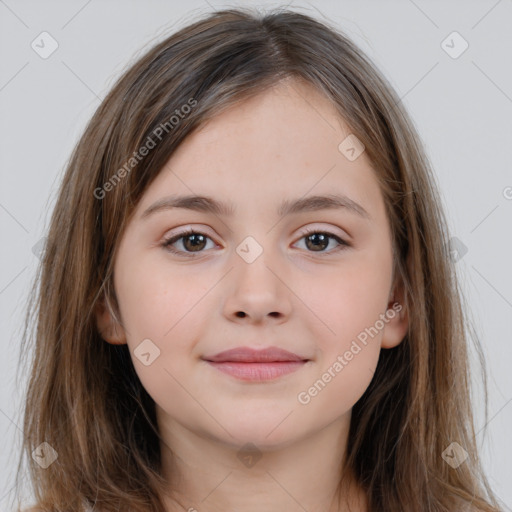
84 397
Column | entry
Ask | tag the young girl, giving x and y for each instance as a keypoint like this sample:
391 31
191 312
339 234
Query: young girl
246 298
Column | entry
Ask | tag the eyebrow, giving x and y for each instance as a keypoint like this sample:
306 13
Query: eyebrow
207 204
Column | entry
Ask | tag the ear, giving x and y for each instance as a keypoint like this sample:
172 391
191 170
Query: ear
397 318
109 329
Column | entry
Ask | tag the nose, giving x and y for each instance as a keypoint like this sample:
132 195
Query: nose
257 292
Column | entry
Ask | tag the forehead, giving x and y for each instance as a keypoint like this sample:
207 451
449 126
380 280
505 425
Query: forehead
282 143
273 122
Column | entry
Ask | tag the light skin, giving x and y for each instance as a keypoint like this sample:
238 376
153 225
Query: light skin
281 144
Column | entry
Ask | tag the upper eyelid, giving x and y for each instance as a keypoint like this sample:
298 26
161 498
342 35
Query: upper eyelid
302 230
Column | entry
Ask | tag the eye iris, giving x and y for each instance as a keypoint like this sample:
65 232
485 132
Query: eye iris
318 237
196 239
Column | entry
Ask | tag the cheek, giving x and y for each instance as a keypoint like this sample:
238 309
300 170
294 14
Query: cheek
350 303
167 306
349 336
350 298
159 305
155 299
336 390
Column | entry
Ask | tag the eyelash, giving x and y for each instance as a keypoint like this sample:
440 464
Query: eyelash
167 244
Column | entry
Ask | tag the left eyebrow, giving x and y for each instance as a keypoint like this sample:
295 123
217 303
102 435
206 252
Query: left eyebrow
207 204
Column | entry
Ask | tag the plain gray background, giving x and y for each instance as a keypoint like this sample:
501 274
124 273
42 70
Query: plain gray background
462 107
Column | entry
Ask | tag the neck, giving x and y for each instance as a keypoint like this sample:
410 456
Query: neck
205 474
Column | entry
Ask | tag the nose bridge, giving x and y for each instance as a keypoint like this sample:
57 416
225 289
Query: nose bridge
254 259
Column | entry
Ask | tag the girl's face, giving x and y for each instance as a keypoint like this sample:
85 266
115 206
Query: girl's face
254 278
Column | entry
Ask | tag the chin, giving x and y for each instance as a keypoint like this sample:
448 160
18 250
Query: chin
271 433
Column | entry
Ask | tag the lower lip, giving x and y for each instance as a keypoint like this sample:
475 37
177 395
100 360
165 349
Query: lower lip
258 371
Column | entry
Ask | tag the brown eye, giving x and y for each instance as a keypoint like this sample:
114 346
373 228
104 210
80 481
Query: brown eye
195 242
318 241
192 242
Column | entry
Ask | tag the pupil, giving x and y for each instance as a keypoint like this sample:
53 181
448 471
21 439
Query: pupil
196 240
322 238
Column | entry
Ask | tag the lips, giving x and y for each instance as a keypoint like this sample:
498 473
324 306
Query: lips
249 355
248 364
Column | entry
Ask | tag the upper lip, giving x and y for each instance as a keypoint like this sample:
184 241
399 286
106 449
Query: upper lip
250 355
